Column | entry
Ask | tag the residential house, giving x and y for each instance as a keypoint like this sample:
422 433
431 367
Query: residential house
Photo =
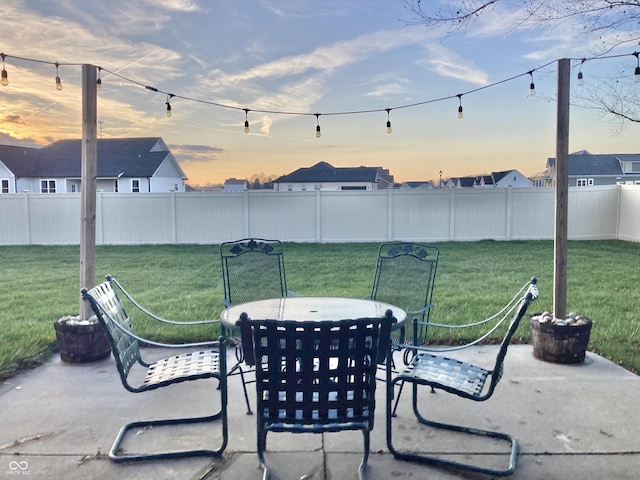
324 176
416 185
507 178
123 165
586 169
235 185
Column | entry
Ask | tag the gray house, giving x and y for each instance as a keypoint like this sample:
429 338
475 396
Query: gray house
324 176
124 165
587 169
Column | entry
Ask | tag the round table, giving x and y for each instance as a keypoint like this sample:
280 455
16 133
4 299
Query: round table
311 309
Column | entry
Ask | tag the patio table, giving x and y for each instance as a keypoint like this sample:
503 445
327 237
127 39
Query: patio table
311 309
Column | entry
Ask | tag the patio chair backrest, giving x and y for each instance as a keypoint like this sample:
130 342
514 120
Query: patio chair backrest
111 314
316 376
405 275
252 269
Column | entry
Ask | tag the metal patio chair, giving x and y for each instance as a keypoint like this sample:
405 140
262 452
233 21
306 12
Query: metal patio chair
252 269
205 362
404 277
430 368
315 377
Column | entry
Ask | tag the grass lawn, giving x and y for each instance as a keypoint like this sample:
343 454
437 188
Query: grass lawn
40 284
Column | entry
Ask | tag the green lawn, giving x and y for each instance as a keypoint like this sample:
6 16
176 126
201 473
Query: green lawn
40 284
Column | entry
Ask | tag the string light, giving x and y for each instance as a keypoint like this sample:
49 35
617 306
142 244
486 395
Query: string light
246 121
5 78
4 81
168 102
532 86
580 77
58 81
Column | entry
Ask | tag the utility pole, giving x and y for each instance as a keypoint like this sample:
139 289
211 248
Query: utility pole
89 168
562 190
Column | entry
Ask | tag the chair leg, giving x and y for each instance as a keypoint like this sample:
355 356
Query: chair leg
115 452
456 428
262 446
237 370
365 455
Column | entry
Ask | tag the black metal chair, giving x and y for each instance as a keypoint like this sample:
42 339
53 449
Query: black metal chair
315 377
252 269
405 275
203 363
429 368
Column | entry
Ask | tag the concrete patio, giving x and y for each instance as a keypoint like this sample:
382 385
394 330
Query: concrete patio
572 421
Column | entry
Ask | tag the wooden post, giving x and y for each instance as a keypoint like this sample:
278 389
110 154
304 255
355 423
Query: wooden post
89 168
562 190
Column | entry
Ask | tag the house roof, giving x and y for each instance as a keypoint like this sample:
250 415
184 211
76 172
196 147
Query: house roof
325 172
585 163
117 157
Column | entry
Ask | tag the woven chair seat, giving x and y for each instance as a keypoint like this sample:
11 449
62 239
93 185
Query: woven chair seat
179 368
448 373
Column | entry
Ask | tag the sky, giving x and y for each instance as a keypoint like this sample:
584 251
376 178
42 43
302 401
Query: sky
285 61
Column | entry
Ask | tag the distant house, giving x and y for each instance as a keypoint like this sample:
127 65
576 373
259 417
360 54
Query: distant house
507 178
124 165
416 185
587 169
324 176
235 185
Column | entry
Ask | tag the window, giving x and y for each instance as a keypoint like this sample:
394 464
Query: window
135 185
347 187
115 186
304 188
47 186
73 188
583 182
289 188
4 188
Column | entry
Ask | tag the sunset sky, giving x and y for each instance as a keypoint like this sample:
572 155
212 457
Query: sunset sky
348 60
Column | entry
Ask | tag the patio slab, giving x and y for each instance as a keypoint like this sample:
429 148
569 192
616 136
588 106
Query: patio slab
572 421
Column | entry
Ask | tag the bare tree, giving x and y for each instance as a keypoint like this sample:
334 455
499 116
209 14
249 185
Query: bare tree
619 20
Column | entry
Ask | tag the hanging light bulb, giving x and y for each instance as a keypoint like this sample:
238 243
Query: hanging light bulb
318 134
460 114
58 81
580 77
389 130
532 86
99 80
5 78
636 75
168 102
246 121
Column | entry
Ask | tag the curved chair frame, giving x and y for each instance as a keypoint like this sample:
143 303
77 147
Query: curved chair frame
465 380
202 363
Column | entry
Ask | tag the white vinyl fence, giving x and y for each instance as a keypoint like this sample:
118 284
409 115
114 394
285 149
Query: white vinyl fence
604 212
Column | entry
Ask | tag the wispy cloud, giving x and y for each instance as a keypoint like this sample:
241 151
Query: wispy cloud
447 63
195 153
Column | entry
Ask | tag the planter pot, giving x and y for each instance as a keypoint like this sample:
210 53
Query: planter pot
560 342
81 341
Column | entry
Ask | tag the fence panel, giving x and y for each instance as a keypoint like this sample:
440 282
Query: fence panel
603 212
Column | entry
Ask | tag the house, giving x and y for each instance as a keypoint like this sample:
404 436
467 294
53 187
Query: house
505 179
416 185
510 178
124 165
586 169
235 185
324 176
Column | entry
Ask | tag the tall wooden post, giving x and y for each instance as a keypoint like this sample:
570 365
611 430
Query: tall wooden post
562 190
88 174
